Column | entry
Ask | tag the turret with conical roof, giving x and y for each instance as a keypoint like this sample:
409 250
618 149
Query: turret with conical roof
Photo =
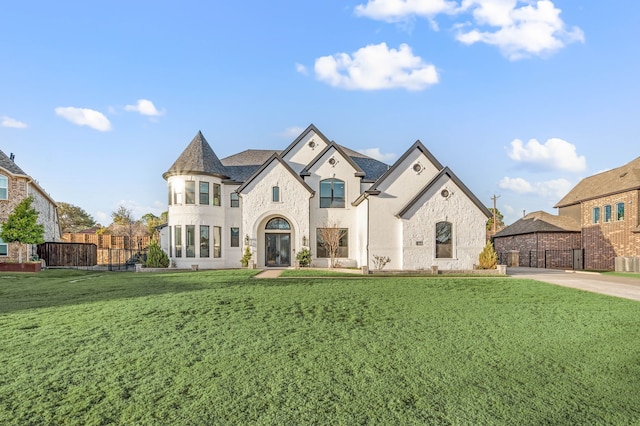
198 158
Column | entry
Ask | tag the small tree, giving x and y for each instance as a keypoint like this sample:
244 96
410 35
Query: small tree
329 238
22 226
379 262
488 257
246 257
156 257
73 218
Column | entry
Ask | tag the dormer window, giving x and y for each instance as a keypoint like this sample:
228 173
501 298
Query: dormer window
332 193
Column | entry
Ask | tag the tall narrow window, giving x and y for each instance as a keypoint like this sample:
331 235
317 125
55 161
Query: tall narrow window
596 215
332 193
4 188
620 211
217 241
170 188
4 247
275 194
178 240
235 237
170 245
217 197
204 241
190 192
235 199
204 193
177 192
191 240
444 240
607 213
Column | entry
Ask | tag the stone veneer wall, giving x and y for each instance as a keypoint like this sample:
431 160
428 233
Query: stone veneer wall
532 247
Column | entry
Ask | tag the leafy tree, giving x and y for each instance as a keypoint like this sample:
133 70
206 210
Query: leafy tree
499 220
22 226
488 257
125 224
151 221
156 257
73 218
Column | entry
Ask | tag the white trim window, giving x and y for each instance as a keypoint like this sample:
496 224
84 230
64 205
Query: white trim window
4 188
4 247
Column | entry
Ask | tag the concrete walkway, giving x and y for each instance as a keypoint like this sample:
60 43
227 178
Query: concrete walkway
628 288
269 273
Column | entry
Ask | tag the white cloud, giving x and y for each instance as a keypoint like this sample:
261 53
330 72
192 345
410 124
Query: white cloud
144 107
12 122
375 153
376 67
551 189
555 154
399 10
301 69
532 29
292 132
85 117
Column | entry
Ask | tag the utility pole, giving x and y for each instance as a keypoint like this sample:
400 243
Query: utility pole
495 214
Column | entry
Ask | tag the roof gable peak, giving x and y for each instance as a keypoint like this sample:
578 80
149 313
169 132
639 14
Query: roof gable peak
197 158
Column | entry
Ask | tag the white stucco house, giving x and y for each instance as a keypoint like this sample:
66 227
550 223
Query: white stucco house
416 212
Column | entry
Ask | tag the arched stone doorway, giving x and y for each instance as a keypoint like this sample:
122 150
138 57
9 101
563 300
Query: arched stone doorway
277 239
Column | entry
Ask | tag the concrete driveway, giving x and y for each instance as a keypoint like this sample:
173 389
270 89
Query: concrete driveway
628 288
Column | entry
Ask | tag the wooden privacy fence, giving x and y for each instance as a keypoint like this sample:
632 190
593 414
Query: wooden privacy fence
106 241
68 254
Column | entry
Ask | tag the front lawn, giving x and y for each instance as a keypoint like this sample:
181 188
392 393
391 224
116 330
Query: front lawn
217 347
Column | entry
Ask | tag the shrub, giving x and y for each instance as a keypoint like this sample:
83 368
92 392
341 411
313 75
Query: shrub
488 257
246 257
304 256
156 257
380 262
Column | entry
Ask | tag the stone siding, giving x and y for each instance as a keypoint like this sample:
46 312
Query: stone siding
539 250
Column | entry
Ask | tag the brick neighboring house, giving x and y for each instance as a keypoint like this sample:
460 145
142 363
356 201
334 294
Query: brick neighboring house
541 240
15 185
607 207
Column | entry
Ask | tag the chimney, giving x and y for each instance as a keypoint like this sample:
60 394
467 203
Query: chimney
12 157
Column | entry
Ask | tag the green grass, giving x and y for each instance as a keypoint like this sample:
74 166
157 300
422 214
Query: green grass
623 274
307 272
217 347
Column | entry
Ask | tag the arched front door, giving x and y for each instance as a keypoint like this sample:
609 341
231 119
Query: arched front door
277 237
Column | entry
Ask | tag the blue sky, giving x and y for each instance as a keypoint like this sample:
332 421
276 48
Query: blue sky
520 99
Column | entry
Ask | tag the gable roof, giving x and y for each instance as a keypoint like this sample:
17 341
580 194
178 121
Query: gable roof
197 158
417 145
304 133
445 172
358 171
9 165
275 157
540 222
620 179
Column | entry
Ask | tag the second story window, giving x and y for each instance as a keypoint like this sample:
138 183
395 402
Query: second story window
620 211
596 215
190 192
275 194
235 199
204 193
170 187
332 193
607 213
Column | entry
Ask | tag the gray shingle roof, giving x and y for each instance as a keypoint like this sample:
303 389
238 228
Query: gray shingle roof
540 222
197 158
614 181
8 164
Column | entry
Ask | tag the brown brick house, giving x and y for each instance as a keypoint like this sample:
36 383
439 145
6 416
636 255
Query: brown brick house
15 185
540 240
606 206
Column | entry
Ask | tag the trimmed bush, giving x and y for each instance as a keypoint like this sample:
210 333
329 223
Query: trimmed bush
156 258
488 257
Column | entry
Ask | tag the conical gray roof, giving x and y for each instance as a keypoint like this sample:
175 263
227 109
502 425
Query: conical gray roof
197 158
